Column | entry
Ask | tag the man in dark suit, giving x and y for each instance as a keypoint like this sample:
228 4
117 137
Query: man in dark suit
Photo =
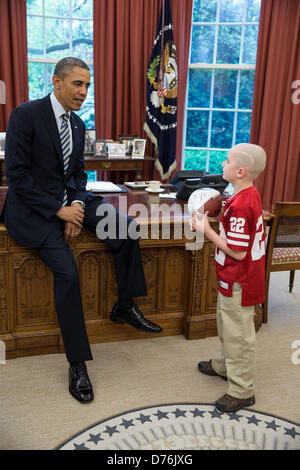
47 205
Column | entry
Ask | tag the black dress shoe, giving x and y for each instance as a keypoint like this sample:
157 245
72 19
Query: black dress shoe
134 317
80 386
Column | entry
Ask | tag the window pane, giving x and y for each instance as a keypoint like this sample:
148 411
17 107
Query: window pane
253 10
250 44
246 89
225 88
243 128
50 71
34 7
35 37
229 42
57 38
195 159
36 74
82 34
231 10
61 8
87 111
82 8
199 88
197 128
91 175
222 129
202 50
216 157
87 114
205 10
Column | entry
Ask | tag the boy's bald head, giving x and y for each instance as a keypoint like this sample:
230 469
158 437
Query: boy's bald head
251 157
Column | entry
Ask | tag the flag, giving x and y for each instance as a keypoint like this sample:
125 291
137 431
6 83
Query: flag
162 81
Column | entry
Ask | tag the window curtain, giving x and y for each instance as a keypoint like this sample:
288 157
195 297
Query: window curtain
276 104
124 31
13 54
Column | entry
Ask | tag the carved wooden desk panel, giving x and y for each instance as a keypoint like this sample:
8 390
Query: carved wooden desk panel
182 288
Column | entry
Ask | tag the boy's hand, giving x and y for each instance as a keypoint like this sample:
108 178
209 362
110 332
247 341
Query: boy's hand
200 223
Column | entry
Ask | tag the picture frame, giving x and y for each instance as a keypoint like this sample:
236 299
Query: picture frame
127 140
2 143
138 150
100 149
115 149
89 141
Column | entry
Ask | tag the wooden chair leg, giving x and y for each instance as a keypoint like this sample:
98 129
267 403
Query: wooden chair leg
265 304
292 276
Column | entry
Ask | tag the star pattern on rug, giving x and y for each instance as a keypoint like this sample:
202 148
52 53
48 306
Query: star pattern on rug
127 424
253 420
179 413
144 418
161 415
272 425
111 430
292 432
155 418
95 438
197 412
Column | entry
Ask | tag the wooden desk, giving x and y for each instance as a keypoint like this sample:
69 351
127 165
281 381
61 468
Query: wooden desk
182 285
91 163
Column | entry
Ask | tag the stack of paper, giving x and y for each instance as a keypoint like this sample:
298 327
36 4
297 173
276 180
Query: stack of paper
102 187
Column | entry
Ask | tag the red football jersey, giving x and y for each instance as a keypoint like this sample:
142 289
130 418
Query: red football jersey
242 226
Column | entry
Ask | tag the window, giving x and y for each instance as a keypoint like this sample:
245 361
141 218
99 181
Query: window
220 80
57 29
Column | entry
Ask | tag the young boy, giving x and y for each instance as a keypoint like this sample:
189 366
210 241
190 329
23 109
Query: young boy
240 266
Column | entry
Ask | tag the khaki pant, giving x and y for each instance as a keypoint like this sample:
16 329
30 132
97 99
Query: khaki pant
236 331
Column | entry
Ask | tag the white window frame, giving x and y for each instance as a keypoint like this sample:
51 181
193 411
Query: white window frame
214 66
71 18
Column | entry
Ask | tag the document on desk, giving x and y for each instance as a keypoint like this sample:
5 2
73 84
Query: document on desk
102 187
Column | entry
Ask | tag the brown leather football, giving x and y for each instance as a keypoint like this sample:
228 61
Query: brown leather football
213 206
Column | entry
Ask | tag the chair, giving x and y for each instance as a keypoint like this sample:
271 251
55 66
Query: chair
283 245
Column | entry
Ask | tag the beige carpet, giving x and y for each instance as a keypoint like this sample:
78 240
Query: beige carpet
37 412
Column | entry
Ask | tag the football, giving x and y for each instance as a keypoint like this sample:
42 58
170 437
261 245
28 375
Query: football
205 199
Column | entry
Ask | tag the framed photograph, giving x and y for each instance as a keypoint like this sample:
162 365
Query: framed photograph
139 148
100 148
90 138
115 149
2 143
127 140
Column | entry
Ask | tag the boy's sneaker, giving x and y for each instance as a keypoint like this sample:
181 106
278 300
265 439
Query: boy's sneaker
229 404
206 368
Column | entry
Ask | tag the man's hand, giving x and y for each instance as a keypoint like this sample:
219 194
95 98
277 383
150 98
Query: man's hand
73 214
71 231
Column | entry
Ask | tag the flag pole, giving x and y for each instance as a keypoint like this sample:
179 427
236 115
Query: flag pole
161 65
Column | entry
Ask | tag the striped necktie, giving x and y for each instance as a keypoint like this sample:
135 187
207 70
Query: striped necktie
66 147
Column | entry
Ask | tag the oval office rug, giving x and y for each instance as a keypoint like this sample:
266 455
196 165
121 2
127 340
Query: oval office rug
193 426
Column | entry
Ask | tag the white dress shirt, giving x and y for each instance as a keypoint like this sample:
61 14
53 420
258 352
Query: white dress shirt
59 110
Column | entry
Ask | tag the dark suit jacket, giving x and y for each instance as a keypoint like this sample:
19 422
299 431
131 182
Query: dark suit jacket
34 169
